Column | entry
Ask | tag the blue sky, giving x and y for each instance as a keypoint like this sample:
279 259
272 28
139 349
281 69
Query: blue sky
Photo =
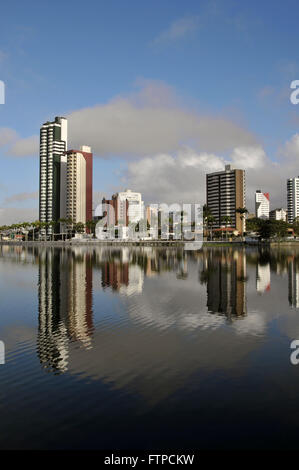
214 59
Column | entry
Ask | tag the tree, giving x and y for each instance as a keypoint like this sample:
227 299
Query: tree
90 225
79 227
35 225
25 225
273 228
210 221
296 225
254 224
242 211
52 224
227 221
207 214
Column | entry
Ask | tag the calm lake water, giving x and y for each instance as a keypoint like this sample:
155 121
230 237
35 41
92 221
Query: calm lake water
148 348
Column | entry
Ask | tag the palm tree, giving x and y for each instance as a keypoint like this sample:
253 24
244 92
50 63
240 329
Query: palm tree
35 224
70 223
210 219
52 224
242 211
79 227
66 222
25 225
44 225
206 212
227 221
90 225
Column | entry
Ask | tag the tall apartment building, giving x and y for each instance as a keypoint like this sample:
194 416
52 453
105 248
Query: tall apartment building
262 204
79 184
52 197
225 194
293 198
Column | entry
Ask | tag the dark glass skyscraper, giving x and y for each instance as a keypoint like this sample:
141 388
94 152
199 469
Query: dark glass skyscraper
52 195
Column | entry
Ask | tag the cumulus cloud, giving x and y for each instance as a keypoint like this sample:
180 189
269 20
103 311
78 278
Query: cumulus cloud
20 197
149 122
27 147
7 136
181 177
177 30
18 147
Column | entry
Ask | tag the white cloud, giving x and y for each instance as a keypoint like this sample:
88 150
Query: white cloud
173 178
20 197
7 136
181 176
27 147
18 147
177 30
152 122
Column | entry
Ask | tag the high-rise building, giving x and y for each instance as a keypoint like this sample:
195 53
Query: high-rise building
136 205
293 198
123 208
151 214
115 212
52 191
262 204
278 214
225 194
79 184
53 142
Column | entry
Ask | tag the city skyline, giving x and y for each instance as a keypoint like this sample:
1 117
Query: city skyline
175 113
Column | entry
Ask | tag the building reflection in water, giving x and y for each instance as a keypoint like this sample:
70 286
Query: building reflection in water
66 286
65 304
224 272
293 281
263 278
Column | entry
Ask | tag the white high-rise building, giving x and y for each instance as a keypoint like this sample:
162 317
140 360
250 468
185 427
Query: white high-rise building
293 198
278 214
262 204
263 277
52 188
135 208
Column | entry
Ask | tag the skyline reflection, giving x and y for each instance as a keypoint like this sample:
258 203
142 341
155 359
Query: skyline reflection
68 279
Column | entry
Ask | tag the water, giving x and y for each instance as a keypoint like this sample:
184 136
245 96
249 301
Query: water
148 348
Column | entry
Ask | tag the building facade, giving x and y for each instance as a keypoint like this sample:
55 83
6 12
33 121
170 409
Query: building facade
262 204
123 208
293 198
116 213
79 184
52 194
226 193
278 214
136 205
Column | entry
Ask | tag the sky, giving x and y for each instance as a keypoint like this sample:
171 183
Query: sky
163 91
